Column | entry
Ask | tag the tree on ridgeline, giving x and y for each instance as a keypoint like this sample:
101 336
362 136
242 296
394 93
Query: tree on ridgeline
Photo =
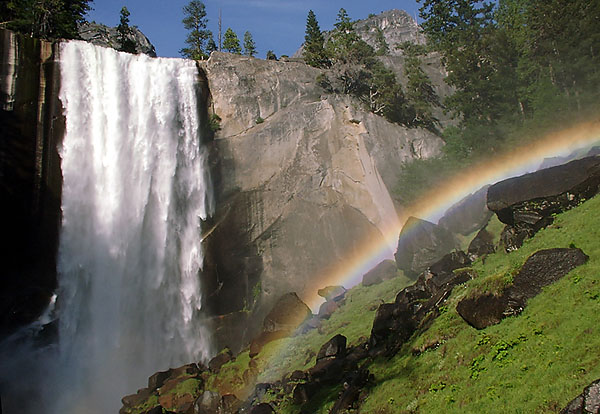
313 52
271 55
249 45
211 45
231 43
195 21
44 19
124 33
419 90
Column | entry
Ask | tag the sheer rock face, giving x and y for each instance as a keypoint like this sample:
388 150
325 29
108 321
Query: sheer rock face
101 35
299 182
31 126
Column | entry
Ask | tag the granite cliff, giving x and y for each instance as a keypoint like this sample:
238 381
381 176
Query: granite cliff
302 181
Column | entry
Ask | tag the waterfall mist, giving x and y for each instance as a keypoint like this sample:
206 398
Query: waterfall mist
135 190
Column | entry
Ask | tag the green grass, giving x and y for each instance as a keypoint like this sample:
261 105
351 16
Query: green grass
534 363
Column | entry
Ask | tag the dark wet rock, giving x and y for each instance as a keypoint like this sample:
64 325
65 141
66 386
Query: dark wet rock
527 203
262 408
157 379
220 359
229 404
588 402
332 293
352 389
541 269
327 309
334 348
417 305
385 270
482 244
287 314
140 397
304 392
421 244
468 215
298 375
207 403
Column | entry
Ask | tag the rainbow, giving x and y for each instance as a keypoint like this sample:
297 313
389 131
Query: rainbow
434 203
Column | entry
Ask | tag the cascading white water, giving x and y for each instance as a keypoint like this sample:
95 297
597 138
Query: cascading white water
135 190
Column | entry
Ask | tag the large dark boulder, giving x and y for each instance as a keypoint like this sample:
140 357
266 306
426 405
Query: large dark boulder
482 244
421 244
588 402
334 348
385 270
468 215
541 269
287 314
416 305
527 203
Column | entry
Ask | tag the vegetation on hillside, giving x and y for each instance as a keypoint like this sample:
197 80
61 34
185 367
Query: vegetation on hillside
44 19
535 362
520 68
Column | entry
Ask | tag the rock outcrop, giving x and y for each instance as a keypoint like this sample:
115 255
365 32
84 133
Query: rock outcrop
417 305
298 183
468 215
385 270
588 402
541 269
527 203
102 35
421 244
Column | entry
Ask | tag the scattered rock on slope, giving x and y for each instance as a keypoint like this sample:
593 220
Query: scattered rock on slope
421 244
526 203
385 270
588 402
468 215
541 269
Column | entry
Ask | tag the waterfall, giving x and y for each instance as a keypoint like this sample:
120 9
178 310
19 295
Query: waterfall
136 188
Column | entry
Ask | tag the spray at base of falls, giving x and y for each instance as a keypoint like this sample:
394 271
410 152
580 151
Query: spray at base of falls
135 190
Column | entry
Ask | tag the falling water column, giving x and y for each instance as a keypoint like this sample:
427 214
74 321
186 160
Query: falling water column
136 188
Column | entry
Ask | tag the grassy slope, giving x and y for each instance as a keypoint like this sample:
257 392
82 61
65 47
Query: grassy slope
353 320
534 363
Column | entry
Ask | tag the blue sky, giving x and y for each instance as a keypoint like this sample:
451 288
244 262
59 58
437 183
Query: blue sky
275 24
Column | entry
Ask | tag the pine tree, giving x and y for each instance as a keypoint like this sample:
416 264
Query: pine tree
314 53
231 43
195 21
45 19
211 45
249 46
271 55
124 33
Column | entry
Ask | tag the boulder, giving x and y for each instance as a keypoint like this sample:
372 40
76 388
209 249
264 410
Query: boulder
482 244
262 408
527 203
541 269
287 314
220 359
332 293
174 400
588 402
396 322
421 244
133 400
385 270
327 309
468 215
207 403
334 348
